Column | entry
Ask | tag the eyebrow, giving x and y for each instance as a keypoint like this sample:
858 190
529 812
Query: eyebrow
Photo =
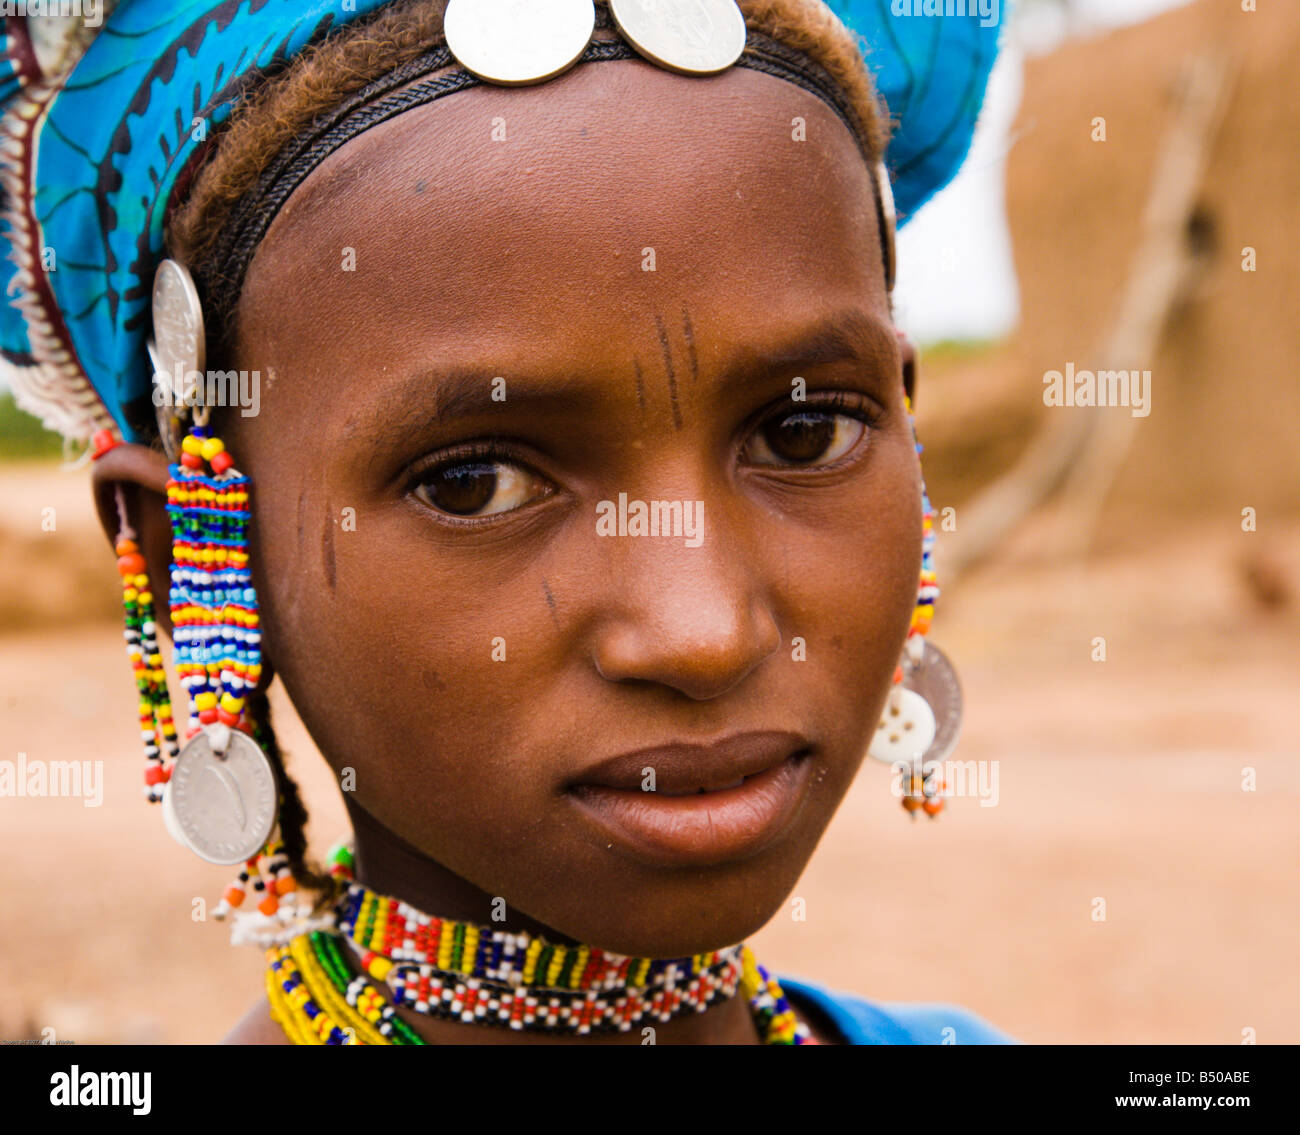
847 334
466 391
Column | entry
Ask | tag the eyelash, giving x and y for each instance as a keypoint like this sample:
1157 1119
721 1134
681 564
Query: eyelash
496 450
491 450
844 403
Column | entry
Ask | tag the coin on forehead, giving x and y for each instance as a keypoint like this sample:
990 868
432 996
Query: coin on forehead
695 37
223 805
514 42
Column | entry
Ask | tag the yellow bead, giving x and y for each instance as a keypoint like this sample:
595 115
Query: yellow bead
231 704
211 447
205 700
191 444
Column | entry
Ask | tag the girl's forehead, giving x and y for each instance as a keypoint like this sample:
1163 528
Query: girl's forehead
578 203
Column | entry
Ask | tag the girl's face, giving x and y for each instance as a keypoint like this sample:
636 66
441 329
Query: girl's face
479 327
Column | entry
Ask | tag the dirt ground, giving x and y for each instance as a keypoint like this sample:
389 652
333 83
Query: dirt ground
1119 780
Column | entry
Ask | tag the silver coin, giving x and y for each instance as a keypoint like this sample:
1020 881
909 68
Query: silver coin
179 347
224 806
164 407
888 225
169 818
935 679
695 37
514 42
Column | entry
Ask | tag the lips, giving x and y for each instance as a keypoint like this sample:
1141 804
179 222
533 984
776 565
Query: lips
694 804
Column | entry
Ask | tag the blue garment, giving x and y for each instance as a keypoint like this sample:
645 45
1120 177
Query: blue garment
859 1021
133 119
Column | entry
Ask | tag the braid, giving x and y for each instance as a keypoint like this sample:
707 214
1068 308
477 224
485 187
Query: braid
293 814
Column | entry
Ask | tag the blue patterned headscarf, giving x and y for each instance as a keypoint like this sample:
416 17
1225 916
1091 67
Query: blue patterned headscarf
91 158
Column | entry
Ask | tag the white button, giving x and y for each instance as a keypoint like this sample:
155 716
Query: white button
906 728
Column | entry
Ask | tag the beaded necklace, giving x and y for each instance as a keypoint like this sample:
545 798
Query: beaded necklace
324 986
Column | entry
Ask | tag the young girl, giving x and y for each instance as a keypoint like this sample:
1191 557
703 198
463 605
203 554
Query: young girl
570 487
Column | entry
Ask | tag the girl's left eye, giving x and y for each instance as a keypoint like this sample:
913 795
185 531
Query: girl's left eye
468 488
804 438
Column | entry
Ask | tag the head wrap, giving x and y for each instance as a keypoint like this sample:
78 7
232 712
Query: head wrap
91 158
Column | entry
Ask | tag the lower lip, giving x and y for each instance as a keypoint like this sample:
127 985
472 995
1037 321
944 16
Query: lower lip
699 830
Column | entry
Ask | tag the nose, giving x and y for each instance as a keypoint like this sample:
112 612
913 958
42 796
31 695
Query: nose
697 620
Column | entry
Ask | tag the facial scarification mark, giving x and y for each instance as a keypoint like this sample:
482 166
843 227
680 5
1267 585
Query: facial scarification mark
689 332
550 601
640 386
672 374
327 548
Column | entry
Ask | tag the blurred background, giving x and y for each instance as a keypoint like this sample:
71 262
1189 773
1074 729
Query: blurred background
1138 877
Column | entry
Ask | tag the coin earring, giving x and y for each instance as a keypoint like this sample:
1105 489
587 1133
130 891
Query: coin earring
217 632
922 716
219 792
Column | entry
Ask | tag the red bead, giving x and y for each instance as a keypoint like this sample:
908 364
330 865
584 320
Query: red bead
226 717
221 462
208 716
191 461
131 564
103 441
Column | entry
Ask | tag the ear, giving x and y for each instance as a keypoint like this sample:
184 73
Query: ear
137 476
910 366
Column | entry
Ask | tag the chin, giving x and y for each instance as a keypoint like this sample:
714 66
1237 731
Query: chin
684 912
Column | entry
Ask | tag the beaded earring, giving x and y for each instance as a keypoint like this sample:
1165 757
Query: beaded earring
922 714
219 792
157 729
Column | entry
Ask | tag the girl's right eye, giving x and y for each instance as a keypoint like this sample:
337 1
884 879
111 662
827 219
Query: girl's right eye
471 488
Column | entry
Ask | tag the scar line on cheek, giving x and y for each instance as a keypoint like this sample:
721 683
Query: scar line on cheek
672 376
689 331
327 547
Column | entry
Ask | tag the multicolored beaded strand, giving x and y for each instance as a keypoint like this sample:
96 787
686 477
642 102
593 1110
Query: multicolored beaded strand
776 1021
392 930
216 632
921 792
315 1001
928 588
458 971
157 729
217 627
213 605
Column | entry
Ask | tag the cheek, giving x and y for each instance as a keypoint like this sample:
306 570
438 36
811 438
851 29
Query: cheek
849 589
402 664
445 679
